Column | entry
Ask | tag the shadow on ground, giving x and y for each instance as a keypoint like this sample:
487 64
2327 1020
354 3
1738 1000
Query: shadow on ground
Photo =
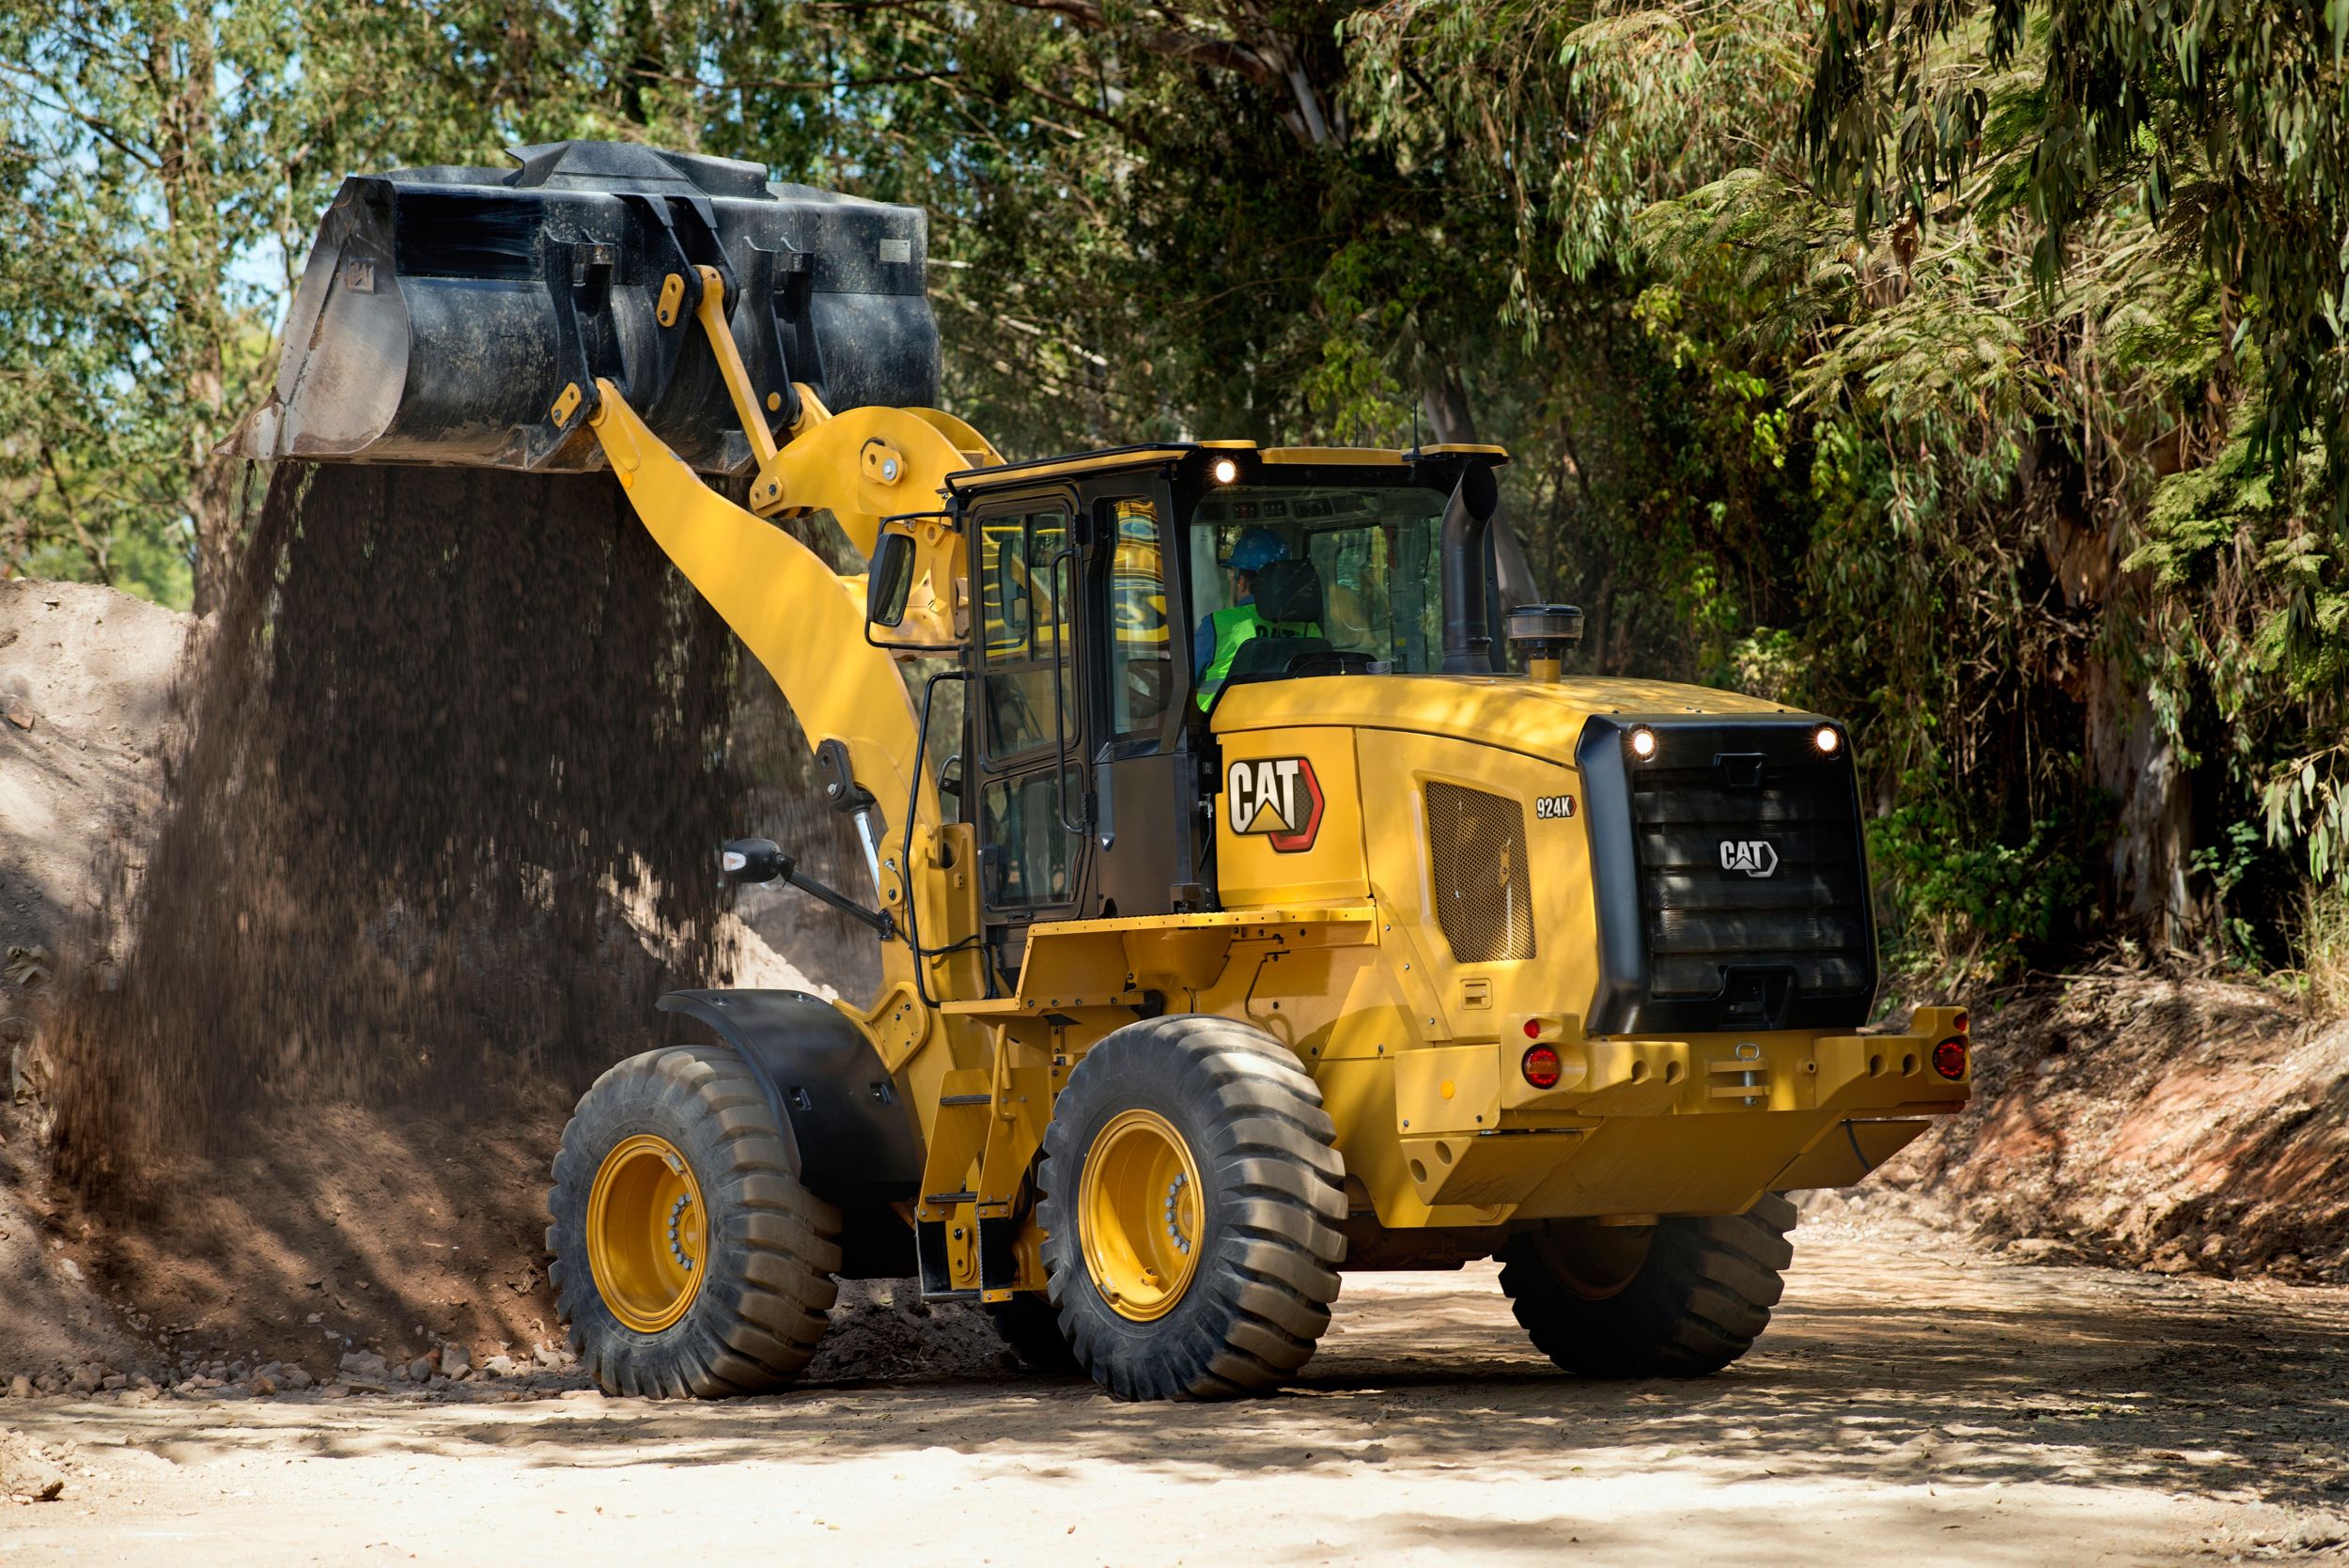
1902 1369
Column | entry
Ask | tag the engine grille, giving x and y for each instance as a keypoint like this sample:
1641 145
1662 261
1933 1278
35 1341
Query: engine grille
1483 889
1768 876
1729 877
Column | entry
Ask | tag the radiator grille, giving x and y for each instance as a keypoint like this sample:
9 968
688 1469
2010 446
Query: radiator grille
1483 891
1705 911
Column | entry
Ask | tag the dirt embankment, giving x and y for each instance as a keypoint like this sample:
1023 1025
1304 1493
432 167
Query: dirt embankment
85 721
2183 1126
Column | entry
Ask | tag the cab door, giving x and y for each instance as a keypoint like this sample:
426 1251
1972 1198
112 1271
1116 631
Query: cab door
1144 784
1027 725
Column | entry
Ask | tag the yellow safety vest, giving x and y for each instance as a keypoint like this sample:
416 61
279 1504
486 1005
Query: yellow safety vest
1236 624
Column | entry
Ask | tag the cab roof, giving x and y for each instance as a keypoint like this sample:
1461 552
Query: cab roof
1114 459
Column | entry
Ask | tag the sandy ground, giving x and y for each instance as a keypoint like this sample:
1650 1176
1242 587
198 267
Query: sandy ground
1914 1401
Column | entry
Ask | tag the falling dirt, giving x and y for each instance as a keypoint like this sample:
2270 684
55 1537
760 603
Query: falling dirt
450 725
337 920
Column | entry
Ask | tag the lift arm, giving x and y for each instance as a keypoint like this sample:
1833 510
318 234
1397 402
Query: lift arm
799 618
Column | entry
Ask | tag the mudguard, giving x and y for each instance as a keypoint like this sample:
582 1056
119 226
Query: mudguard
851 1136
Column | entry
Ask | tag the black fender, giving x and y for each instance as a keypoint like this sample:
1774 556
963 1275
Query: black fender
851 1136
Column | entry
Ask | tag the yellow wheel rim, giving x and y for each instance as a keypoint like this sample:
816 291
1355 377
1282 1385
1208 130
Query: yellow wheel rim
647 1239
1140 1215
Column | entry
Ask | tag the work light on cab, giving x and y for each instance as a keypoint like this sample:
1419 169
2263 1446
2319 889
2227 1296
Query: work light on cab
1948 1058
1827 741
1644 743
1540 1065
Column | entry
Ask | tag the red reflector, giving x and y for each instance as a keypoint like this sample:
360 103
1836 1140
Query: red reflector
1965 1023
1541 1066
1533 1029
1948 1058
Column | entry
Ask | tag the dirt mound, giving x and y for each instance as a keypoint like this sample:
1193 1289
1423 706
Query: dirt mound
85 718
2186 1125
882 1330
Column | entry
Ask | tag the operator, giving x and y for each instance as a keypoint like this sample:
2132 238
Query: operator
1221 632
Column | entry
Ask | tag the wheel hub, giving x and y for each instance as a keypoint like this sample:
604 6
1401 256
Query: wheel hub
1140 1215
648 1236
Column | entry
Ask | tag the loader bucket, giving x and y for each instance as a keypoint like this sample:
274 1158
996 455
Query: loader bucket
446 315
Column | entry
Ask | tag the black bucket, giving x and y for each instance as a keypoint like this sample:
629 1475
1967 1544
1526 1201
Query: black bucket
445 311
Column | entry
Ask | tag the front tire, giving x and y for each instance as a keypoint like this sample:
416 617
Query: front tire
1681 1298
1190 1201
688 1260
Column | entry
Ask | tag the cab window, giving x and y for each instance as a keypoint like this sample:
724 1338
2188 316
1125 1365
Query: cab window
1375 553
1020 584
1141 658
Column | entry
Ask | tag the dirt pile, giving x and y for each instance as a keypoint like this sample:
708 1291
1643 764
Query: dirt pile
443 783
84 719
2185 1126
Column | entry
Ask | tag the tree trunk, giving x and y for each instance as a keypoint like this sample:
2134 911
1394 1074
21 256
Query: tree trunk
1444 402
188 145
2128 755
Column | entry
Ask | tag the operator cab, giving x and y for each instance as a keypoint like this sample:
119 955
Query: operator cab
1113 598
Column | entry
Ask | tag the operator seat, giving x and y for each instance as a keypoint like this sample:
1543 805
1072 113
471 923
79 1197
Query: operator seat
1288 597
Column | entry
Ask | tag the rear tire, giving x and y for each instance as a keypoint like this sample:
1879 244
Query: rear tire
731 1296
1688 1304
1235 1300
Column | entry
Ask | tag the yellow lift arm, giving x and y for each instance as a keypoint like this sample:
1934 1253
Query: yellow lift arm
805 623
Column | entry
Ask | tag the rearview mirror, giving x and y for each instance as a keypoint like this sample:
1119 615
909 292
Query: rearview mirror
890 578
756 859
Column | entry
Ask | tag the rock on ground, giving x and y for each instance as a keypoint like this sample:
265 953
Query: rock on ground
30 1470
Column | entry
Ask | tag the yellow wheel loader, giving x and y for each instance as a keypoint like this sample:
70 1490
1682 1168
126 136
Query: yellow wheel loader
1275 907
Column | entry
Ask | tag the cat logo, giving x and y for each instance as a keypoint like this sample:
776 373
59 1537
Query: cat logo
1752 856
1277 797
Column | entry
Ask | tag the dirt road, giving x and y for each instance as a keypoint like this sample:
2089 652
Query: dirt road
1914 1401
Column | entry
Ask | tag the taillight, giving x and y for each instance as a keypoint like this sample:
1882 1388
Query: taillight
1540 1066
1948 1058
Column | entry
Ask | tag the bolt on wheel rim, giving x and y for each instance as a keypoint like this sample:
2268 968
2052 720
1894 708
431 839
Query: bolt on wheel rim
648 1239
1140 1215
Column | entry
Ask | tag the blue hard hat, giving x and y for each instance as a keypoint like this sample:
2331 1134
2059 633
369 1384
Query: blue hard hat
1257 549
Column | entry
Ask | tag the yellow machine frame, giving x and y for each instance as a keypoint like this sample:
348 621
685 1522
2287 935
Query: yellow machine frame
1334 953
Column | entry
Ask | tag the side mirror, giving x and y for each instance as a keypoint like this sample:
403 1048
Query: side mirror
756 859
890 578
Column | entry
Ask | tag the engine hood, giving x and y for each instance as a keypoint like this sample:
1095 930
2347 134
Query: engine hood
1516 713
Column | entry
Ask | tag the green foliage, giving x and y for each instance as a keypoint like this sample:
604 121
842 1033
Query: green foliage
2226 125
1969 372
1968 905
